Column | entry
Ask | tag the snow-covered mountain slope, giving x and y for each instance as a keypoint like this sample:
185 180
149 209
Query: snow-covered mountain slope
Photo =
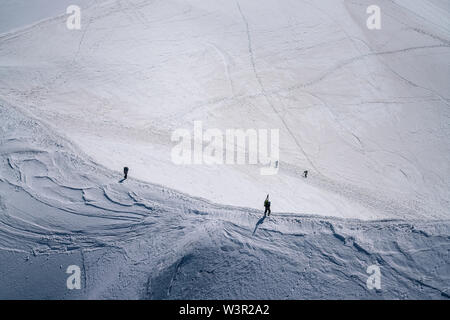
138 240
365 111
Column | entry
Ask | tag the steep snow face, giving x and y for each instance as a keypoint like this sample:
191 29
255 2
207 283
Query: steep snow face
135 240
365 111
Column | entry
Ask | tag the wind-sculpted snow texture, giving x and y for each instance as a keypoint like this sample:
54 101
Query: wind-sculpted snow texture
136 240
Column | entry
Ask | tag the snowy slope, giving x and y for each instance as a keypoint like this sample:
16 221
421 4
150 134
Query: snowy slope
365 111
17 14
135 240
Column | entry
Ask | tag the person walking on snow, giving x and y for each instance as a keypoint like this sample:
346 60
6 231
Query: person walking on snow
267 206
125 173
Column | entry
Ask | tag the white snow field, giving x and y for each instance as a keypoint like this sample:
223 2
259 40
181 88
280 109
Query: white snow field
367 112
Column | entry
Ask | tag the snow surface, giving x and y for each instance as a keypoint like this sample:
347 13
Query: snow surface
15 14
134 240
366 112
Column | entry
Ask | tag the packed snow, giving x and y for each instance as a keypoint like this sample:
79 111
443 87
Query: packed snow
366 112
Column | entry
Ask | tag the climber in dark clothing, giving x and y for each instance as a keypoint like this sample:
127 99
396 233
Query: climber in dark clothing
125 173
267 206
305 174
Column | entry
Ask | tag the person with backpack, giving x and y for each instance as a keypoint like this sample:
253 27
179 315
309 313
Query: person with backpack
267 206
125 173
